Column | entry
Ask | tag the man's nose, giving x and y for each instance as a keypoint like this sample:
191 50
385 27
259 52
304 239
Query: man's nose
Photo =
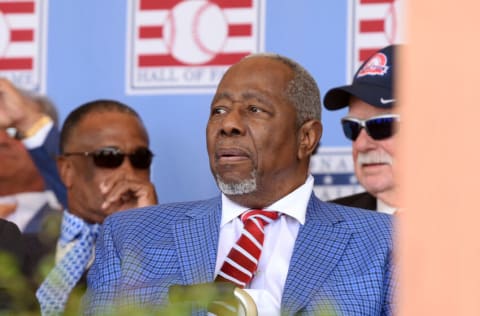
363 141
233 123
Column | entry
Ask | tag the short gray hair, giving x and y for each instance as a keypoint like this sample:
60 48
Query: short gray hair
302 90
44 103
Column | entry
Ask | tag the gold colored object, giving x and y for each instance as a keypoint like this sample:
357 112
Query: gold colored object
44 120
246 301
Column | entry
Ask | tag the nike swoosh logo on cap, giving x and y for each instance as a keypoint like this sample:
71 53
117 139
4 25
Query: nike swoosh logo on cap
386 101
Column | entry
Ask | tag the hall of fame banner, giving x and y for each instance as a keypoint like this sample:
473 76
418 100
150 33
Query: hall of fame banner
23 43
333 172
178 46
372 25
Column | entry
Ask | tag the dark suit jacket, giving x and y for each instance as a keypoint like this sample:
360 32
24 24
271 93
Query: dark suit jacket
342 258
362 200
12 245
11 240
41 241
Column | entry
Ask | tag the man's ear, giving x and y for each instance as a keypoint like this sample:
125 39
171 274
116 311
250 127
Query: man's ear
308 137
65 169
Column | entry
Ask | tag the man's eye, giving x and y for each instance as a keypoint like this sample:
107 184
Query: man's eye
255 109
218 110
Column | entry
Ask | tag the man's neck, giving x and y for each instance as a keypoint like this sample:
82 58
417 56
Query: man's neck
388 198
264 196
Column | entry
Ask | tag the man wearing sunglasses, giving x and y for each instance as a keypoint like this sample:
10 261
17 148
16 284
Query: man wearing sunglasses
371 125
105 165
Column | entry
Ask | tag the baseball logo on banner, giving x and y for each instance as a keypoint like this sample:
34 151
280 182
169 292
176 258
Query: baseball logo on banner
373 24
180 46
23 43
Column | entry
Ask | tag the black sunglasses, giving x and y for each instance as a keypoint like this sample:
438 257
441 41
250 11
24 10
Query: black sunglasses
112 157
377 127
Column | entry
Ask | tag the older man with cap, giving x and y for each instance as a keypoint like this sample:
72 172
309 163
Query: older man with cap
371 125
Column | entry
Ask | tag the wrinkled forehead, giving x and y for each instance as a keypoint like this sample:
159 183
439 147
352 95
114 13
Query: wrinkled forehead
256 74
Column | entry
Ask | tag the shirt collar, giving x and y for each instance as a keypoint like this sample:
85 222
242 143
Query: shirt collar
293 204
383 207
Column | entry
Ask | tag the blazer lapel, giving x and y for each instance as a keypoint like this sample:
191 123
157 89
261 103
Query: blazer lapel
197 240
319 246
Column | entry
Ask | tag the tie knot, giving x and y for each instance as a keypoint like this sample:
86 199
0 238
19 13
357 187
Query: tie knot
261 216
74 227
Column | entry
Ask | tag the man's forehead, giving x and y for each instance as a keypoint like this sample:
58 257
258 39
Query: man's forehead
109 124
361 109
233 96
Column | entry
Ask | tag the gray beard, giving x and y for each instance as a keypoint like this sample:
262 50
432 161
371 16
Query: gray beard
242 187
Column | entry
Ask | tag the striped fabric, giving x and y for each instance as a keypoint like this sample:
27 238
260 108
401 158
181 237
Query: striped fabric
242 261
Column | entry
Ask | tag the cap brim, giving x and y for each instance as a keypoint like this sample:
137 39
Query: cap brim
338 98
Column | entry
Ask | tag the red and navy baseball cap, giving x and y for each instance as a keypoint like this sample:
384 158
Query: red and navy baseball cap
372 83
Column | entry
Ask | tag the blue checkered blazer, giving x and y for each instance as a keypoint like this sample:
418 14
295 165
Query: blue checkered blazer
342 259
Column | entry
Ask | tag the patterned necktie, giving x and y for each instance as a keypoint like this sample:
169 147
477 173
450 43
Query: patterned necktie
55 289
242 261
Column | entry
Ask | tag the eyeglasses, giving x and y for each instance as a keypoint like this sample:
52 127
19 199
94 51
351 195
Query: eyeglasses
112 157
13 133
377 127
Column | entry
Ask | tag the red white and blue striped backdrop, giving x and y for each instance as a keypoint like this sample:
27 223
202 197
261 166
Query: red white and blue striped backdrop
164 58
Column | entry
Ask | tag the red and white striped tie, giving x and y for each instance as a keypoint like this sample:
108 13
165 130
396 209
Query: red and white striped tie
242 261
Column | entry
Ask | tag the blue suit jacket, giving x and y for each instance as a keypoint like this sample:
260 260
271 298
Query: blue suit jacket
342 258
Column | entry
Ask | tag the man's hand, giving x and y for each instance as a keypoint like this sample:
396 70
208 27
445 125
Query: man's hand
116 193
122 194
7 209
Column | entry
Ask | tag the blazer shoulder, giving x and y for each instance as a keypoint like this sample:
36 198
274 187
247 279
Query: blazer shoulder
357 220
165 212
156 221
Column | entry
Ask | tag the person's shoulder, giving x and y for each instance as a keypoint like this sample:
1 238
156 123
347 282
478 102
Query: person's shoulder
11 239
358 219
9 228
162 214
152 223
361 200
369 230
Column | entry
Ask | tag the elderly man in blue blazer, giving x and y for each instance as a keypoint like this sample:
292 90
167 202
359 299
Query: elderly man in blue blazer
267 232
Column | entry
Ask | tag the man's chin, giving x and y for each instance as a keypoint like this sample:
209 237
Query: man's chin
237 187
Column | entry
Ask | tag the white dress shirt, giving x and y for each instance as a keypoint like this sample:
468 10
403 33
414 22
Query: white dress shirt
383 207
267 285
38 139
28 205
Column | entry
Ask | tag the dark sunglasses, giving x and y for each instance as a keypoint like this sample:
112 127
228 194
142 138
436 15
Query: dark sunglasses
377 127
112 157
